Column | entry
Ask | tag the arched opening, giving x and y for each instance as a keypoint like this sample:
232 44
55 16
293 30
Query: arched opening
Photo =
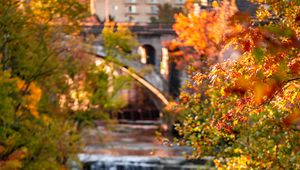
147 53
141 101
140 106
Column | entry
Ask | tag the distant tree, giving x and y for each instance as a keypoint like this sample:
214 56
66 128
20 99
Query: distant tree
166 13
119 41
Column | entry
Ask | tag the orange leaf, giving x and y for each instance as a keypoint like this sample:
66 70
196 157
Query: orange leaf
293 118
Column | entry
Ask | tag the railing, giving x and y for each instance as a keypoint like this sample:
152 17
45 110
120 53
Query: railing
136 28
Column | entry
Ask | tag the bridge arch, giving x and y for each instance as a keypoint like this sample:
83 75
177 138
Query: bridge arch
148 54
151 81
156 99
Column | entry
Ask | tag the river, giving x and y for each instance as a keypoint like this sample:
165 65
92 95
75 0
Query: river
134 147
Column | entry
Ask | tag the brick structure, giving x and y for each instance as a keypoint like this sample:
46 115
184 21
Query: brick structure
138 11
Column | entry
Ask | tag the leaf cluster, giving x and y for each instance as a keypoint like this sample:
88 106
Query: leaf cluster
245 110
45 75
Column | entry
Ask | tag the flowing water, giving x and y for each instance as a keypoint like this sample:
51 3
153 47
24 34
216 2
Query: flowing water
134 147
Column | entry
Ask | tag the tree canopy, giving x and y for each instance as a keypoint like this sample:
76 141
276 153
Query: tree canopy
166 14
50 87
241 103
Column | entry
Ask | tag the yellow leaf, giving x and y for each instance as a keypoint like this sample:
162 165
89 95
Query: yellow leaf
235 122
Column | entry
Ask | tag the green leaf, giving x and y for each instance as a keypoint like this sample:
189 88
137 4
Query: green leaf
258 54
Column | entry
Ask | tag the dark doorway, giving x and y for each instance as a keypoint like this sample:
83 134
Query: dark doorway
174 81
150 52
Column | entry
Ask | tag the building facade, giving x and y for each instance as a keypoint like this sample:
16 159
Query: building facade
138 11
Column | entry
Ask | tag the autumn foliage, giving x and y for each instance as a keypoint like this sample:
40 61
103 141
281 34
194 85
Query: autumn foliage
34 132
49 87
242 99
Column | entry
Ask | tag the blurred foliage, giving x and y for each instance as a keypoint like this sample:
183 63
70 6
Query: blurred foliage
118 40
166 14
50 88
241 109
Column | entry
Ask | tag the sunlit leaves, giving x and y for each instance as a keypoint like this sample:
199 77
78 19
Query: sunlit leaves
203 40
32 96
119 41
33 59
57 11
249 100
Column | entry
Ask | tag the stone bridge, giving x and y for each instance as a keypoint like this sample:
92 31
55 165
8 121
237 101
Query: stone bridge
151 79
149 36
152 53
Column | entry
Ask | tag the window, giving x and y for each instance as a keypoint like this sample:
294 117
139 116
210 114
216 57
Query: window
115 7
131 1
152 1
132 9
153 9
179 1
